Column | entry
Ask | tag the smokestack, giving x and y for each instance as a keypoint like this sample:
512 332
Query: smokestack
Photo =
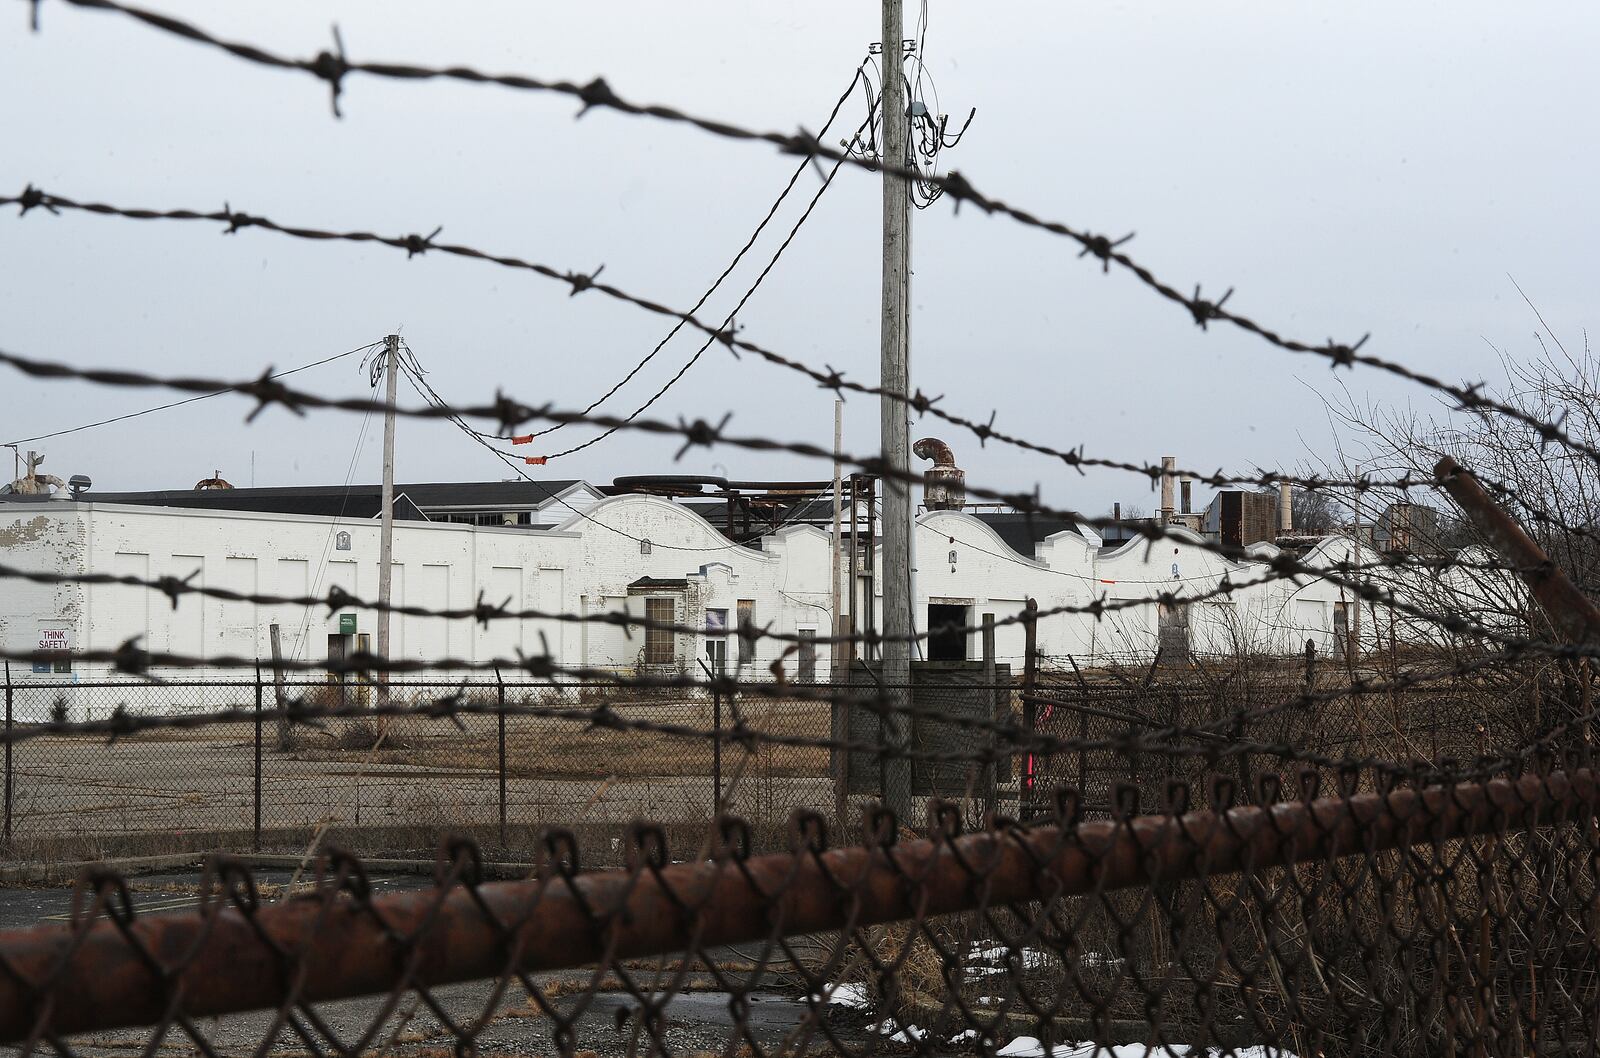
1116 512
1285 509
1168 465
1188 496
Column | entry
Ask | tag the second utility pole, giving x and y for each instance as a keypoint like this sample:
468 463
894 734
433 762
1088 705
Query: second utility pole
896 569
391 371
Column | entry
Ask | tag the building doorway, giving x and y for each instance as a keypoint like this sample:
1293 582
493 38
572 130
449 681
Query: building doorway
947 637
717 655
352 686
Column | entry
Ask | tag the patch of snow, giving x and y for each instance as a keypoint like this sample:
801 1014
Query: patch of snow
896 1034
1030 1047
848 995
1100 959
998 957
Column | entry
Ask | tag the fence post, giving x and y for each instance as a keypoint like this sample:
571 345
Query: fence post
255 831
277 684
716 747
500 685
1030 718
1083 730
8 756
991 774
716 737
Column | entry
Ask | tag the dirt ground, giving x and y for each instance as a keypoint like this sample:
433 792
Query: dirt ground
175 790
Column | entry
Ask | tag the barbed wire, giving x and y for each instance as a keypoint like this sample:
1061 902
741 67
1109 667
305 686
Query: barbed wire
1468 398
717 283
332 68
483 612
267 391
1218 740
1447 918
728 322
415 244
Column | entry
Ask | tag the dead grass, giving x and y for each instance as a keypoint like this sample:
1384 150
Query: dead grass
557 747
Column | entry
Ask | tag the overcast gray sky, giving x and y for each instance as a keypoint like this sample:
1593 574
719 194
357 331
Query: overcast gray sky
1347 167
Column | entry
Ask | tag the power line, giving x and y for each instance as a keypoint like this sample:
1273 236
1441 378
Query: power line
727 323
726 272
414 371
186 400
333 68
704 434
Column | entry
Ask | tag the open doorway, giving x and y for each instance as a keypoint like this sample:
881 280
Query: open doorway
947 638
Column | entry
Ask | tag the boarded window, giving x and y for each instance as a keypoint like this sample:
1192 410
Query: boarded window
747 617
659 643
1172 631
808 655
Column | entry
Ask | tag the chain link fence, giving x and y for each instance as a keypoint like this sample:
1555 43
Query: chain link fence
496 760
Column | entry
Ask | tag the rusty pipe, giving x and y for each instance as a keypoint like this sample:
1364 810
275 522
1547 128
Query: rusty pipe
936 450
88 977
1572 613
944 485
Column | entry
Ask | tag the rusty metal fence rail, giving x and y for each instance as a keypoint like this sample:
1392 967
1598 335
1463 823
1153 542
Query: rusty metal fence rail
1447 919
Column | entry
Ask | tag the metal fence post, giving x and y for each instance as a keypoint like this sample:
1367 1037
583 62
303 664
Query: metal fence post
285 739
1030 718
716 737
8 756
990 775
501 713
255 831
716 748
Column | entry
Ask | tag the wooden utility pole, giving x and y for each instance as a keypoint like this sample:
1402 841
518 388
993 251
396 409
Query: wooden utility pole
391 371
897 625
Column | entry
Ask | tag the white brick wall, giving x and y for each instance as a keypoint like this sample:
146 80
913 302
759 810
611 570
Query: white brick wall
586 565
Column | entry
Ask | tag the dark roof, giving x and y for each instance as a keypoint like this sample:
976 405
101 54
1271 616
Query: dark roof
660 582
354 501
788 509
1019 531
1022 531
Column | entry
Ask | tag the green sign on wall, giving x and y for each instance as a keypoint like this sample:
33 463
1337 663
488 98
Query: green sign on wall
347 624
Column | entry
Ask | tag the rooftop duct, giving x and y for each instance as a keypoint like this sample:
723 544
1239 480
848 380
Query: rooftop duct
944 485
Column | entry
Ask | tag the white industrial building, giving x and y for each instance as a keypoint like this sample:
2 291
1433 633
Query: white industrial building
567 548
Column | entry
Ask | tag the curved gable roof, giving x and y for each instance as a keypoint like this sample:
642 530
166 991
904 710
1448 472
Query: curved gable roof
928 518
594 519
1178 534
